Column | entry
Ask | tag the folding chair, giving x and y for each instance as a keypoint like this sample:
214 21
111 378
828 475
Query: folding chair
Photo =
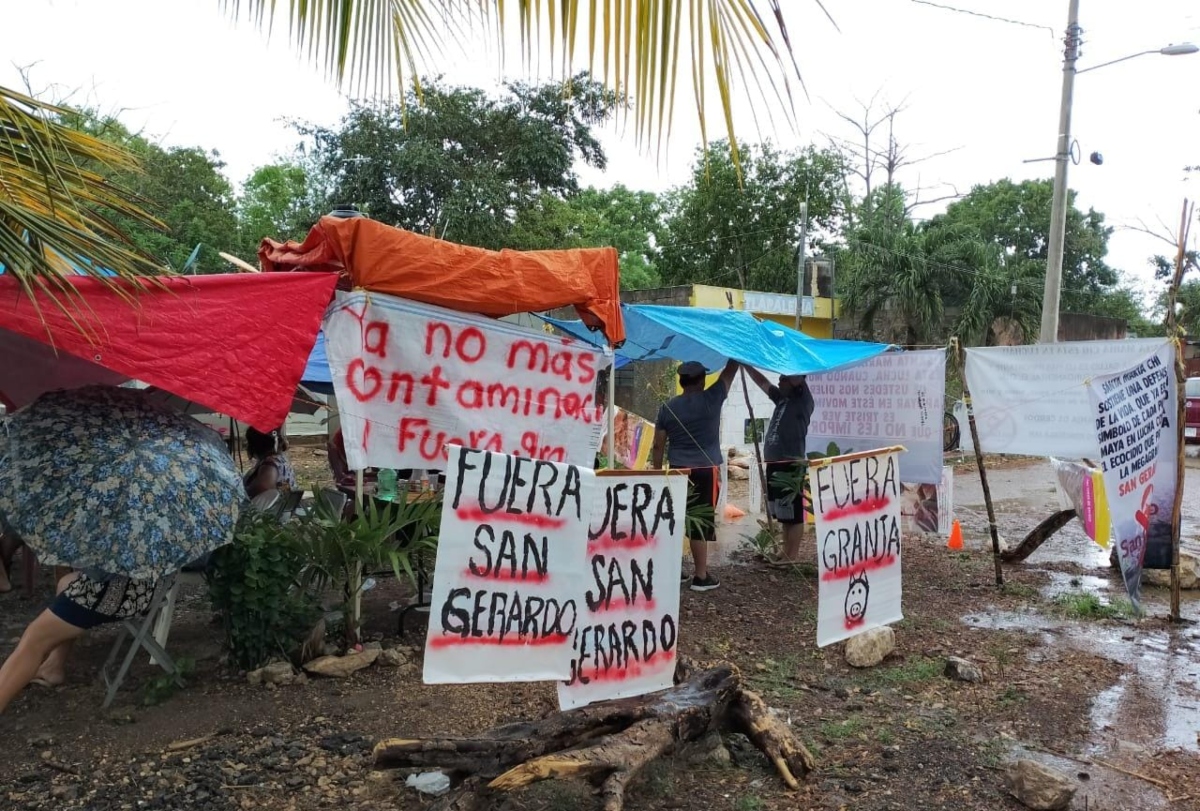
289 503
140 629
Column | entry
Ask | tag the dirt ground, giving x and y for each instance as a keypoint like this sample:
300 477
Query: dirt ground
1100 697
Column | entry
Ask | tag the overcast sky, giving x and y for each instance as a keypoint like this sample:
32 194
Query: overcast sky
987 89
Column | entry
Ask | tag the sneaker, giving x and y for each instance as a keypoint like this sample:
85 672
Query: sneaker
685 577
707 584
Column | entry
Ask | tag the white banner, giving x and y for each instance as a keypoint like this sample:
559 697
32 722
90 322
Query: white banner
857 502
1032 400
411 378
626 641
1134 416
511 566
894 398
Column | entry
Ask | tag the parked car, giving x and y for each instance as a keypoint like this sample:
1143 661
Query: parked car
1191 425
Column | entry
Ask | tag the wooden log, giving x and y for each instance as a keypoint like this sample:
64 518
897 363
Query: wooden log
608 743
1038 536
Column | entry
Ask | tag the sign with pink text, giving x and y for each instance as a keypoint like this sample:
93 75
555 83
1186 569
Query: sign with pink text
411 379
857 505
511 564
628 632
1135 418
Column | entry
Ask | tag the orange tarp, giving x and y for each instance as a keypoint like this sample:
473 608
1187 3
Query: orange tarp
390 260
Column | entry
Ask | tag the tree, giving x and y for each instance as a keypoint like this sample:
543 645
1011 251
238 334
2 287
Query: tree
630 221
182 186
460 164
728 228
1015 217
51 208
277 202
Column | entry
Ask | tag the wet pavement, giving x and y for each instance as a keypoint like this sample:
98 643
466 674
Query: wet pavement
1155 704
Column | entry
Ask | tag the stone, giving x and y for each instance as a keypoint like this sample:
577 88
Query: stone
393 657
1189 570
870 647
960 669
1039 787
273 674
339 667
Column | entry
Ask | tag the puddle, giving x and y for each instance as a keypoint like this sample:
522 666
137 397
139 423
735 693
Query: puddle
1011 621
1099 788
1063 583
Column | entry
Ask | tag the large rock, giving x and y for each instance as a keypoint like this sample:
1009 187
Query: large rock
274 673
960 669
396 657
1039 787
1189 570
870 647
339 667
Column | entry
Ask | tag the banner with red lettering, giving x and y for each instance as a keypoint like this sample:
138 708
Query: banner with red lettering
511 564
412 378
626 640
857 500
1135 412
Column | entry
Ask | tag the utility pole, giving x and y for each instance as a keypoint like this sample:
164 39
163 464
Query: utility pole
800 262
1062 159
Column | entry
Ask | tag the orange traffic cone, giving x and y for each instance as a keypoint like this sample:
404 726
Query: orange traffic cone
955 541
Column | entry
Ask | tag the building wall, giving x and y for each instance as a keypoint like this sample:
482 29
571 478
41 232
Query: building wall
1084 327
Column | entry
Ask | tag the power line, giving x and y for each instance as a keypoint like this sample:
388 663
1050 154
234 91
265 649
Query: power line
986 16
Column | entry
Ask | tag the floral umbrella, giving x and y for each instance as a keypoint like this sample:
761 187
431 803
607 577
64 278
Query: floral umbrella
104 478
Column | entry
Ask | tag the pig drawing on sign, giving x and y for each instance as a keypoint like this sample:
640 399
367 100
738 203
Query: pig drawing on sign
857 504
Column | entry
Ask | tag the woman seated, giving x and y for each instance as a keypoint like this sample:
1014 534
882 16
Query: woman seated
271 470
85 600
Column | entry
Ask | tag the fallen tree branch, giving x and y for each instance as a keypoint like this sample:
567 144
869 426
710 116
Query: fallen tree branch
607 743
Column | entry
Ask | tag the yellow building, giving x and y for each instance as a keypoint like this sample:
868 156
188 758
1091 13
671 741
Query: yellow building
816 312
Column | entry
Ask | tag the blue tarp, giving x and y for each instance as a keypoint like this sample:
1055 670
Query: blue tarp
711 336
318 379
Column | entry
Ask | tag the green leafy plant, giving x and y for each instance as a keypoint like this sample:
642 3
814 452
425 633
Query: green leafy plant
161 687
337 551
252 583
698 518
795 479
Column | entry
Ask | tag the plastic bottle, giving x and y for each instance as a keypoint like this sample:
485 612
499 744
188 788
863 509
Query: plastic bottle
386 484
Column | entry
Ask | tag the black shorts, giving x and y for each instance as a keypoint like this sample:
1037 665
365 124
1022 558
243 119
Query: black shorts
784 506
704 490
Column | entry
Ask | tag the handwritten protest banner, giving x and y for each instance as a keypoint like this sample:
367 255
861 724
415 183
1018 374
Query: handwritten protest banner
411 378
1033 400
628 632
857 499
893 397
511 566
1134 417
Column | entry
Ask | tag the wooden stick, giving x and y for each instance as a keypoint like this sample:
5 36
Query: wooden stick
1181 407
758 460
850 457
1131 773
960 354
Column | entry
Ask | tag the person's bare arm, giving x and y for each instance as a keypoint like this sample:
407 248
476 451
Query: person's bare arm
266 480
759 378
660 446
728 373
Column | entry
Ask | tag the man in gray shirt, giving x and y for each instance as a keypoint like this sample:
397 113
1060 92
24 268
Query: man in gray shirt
784 452
688 428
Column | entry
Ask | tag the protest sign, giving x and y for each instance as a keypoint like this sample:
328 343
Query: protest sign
1081 488
626 640
633 439
1134 418
1033 400
857 500
411 378
511 566
893 397
945 497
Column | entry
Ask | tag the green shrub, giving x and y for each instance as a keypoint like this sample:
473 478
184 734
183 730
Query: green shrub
252 583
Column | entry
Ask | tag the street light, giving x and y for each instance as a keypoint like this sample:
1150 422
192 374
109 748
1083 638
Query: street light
1062 157
800 263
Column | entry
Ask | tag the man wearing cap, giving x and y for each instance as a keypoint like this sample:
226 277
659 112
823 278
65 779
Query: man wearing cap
784 451
688 428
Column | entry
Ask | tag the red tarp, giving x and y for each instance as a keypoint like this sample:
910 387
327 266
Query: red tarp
236 343
496 283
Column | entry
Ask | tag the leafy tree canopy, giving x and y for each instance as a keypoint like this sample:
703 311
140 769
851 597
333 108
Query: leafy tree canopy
1015 217
459 163
630 221
276 202
728 231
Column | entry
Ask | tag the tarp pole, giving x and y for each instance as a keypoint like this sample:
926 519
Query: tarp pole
356 576
612 413
960 354
1181 412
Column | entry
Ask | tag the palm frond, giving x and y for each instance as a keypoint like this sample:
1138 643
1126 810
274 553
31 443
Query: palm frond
633 46
57 210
